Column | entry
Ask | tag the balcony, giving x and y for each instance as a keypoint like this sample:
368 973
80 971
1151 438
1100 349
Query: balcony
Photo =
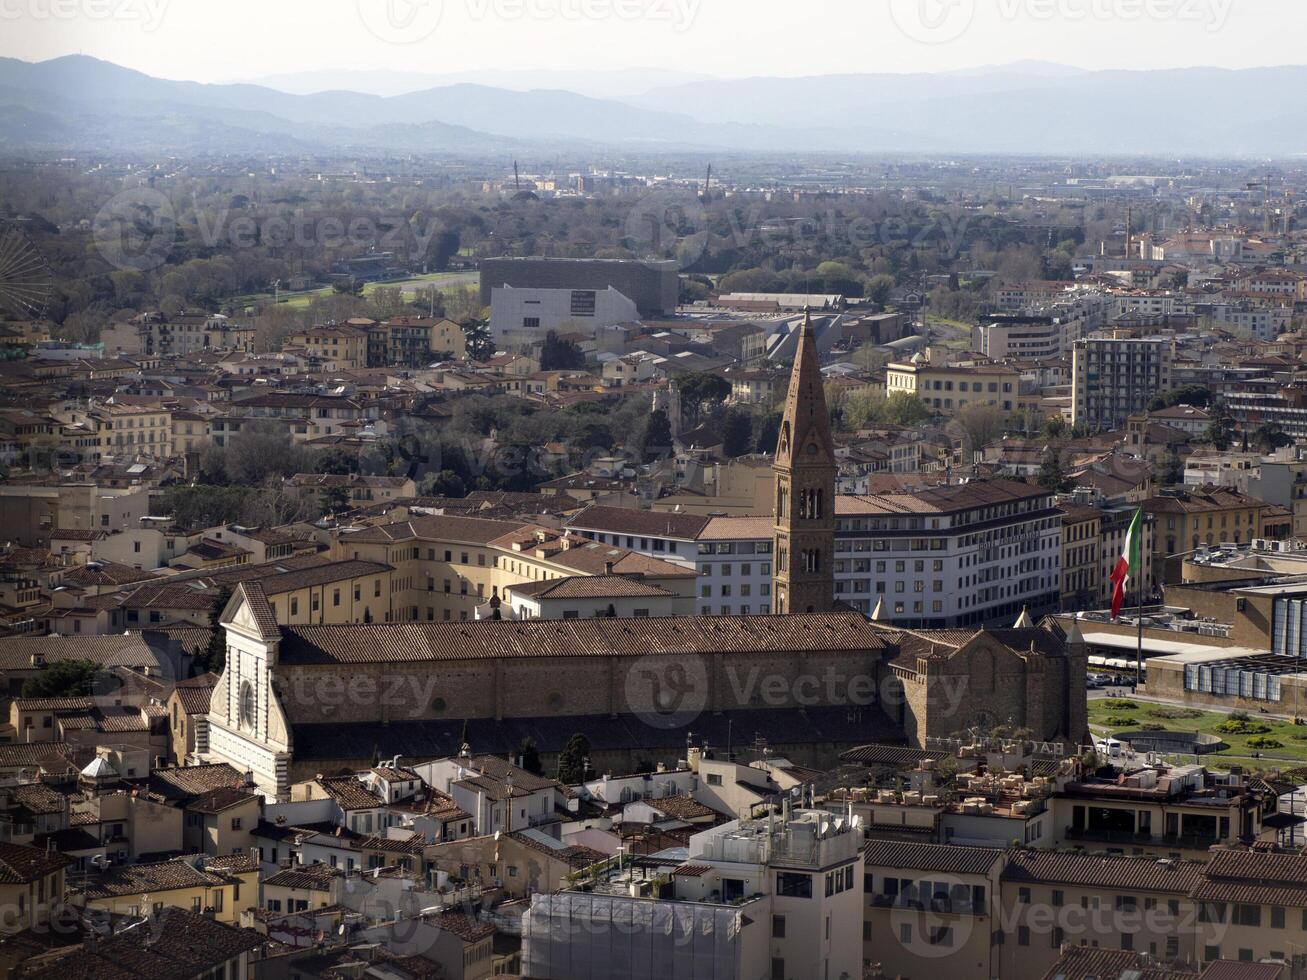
940 904
1177 841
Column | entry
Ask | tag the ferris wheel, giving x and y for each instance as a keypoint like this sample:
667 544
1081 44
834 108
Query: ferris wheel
25 278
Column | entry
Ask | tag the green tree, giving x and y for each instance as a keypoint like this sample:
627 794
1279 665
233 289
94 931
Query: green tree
1052 474
572 761
769 433
1220 429
655 440
700 393
480 345
737 433
560 355
1055 427
530 757
905 408
1172 474
214 656
1269 437
446 483
878 289
63 679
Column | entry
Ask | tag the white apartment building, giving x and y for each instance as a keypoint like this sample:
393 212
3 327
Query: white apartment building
943 558
733 555
778 896
521 316
1023 338
1113 378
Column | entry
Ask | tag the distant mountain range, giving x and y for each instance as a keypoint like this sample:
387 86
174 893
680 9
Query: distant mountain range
80 103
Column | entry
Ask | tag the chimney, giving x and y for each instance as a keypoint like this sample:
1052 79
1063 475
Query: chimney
608 568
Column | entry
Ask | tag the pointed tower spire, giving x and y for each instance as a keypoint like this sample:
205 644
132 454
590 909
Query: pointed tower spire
803 578
879 611
807 420
1024 622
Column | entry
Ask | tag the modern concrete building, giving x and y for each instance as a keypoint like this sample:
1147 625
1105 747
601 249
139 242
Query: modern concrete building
1114 378
654 287
520 316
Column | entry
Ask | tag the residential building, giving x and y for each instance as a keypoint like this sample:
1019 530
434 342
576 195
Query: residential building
951 387
1116 377
758 897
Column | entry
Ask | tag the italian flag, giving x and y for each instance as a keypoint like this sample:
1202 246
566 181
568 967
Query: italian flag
1129 564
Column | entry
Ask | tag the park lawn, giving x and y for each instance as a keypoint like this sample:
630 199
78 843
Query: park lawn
961 341
1293 737
303 299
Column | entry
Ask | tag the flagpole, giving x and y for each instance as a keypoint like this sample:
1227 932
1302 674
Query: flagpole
1139 618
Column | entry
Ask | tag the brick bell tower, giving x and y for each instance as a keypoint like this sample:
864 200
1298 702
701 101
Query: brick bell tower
803 571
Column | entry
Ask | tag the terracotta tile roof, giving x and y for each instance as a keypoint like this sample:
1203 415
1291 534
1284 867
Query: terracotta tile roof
176 945
105 573
950 858
38 798
400 642
50 756
1142 874
139 879
465 927
196 692
320 575
233 864
1253 878
639 523
186 782
124 650
683 807
590 587
19 864
468 530
349 793
733 528
53 704
217 800
1243 970
312 877
889 755
1101 963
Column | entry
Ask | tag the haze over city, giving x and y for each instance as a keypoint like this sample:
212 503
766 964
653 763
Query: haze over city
585 489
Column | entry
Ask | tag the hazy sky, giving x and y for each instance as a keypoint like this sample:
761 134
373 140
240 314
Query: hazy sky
223 40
